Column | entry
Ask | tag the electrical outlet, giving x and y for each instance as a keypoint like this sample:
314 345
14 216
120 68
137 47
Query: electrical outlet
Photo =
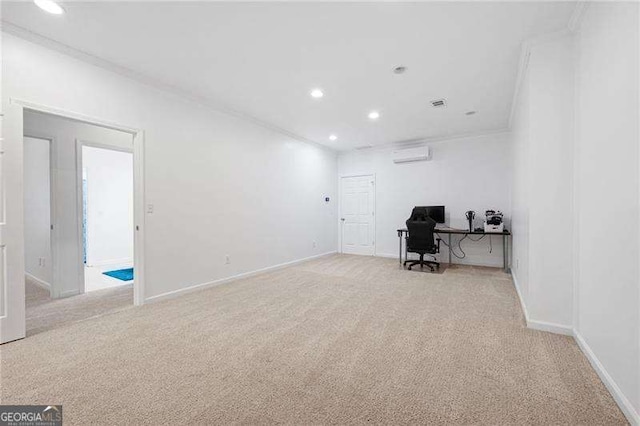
149 208
42 262
227 260
315 244
517 263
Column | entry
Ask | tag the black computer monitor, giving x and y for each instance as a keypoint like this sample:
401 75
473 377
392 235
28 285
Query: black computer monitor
434 212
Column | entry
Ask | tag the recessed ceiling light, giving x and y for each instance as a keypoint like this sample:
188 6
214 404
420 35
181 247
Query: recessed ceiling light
399 70
317 93
333 137
374 115
470 112
49 6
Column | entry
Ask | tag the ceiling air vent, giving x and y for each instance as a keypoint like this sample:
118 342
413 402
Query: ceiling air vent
439 103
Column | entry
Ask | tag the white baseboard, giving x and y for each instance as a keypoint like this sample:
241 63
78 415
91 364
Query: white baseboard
180 292
520 298
444 260
550 327
65 294
625 405
539 325
391 256
38 281
111 262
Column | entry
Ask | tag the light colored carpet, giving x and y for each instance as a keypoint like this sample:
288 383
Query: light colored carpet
44 313
342 339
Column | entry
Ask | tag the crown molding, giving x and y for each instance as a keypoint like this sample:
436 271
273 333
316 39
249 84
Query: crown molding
413 143
572 26
437 139
29 36
523 66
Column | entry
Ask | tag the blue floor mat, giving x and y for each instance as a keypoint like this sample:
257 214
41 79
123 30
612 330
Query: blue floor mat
121 274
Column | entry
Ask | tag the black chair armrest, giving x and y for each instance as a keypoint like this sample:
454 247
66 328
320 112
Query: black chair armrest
438 240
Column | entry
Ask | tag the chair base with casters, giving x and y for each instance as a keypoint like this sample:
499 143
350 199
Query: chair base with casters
422 263
430 252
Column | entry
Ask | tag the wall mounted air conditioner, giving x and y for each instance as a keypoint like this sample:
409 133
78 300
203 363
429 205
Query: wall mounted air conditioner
409 155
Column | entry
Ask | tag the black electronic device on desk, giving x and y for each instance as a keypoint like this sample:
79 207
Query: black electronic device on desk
434 212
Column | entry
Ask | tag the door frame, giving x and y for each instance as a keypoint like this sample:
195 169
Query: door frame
80 200
375 211
53 230
138 182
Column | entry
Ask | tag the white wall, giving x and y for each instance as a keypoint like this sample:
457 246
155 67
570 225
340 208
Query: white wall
37 210
220 185
576 179
109 176
64 134
464 174
550 77
608 299
542 192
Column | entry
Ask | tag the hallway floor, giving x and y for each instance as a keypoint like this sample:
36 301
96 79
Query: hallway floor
44 313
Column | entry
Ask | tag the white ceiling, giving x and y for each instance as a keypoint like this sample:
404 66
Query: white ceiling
262 59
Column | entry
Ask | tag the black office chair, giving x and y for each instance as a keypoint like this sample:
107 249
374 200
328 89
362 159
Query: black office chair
421 240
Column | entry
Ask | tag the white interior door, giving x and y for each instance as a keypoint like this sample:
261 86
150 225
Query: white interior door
12 309
357 208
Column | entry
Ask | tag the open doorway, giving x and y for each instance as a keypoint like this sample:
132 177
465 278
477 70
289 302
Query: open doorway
38 221
107 216
79 220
